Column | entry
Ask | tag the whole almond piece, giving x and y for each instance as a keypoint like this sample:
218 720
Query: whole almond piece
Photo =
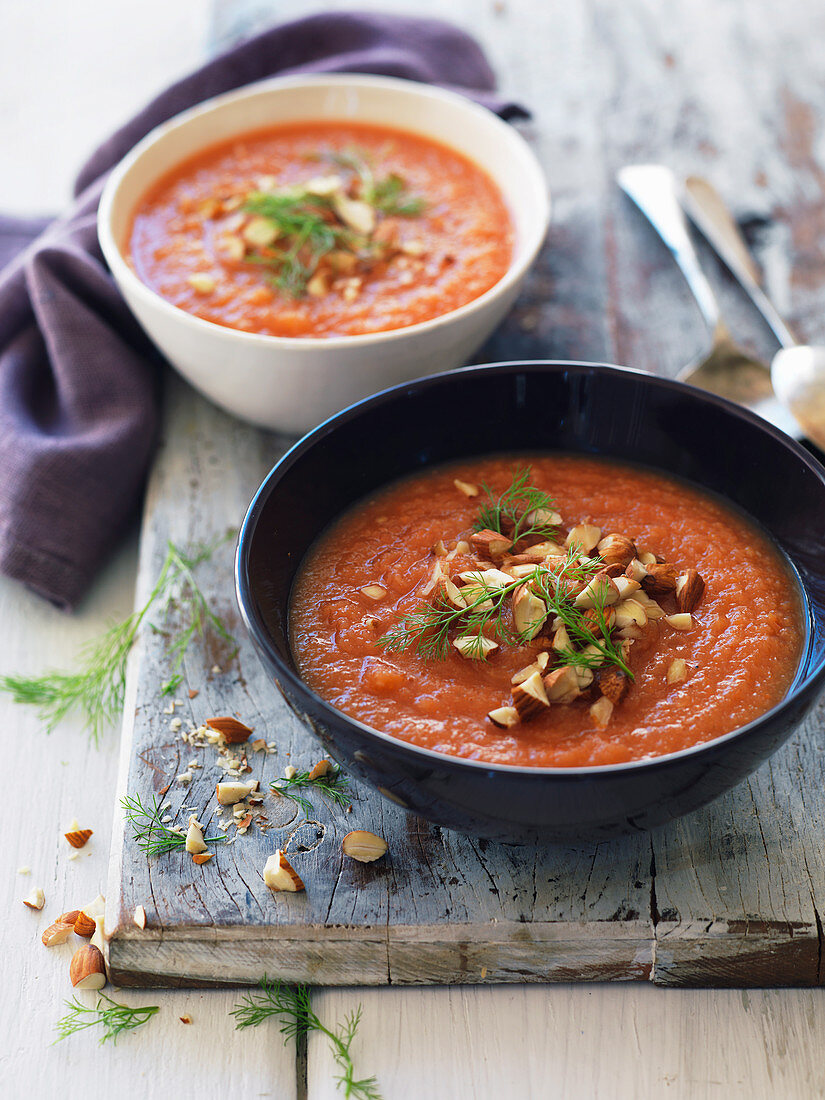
57 933
78 837
87 969
233 731
364 846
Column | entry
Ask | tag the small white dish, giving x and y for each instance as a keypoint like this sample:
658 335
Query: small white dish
292 384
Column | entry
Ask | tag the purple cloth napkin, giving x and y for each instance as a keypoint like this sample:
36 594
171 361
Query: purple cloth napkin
78 378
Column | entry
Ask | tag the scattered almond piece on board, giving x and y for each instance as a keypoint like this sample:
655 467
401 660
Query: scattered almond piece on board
36 899
233 731
364 846
279 874
87 969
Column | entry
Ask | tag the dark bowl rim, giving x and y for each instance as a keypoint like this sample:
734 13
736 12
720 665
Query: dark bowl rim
332 714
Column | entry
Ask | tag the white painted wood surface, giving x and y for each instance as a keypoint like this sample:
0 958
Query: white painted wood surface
559 1041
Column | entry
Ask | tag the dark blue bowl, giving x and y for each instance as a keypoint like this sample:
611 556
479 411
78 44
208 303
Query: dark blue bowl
573 407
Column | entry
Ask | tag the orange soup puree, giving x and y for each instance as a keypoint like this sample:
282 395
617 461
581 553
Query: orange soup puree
740 652
397 230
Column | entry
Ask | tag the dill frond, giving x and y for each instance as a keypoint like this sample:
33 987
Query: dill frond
96 689
114 1018
292 1007
153 837
507 513
334 788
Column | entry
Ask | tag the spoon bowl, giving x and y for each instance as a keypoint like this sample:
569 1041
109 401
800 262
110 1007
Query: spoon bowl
798 376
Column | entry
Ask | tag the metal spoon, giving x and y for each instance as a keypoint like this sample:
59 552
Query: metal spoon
797 370
727 369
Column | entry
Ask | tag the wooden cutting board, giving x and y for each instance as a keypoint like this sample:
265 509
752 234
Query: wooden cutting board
728 896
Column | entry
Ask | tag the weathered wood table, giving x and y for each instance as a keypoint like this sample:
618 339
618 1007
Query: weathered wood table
730 895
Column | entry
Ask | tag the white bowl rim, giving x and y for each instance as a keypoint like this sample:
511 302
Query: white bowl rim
122 271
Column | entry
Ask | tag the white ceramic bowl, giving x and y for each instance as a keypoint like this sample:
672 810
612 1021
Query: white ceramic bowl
293 383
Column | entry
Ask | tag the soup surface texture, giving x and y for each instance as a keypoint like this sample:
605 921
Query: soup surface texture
439 234
740 654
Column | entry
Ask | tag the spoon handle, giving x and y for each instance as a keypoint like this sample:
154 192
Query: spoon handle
655 191
708 211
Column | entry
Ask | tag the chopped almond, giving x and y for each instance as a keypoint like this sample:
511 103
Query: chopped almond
681 621
613 684
321 769
690 588
529 612
474 646
279 874
233 731
529 697
490 544
466 487
616 549
374 592
504 717
539 665
601 712
562 685
660 579
202 857
636 571
601 589
677 671
586 536
56 933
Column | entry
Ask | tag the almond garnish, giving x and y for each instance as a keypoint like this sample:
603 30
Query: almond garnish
358 216
636 571
562 685
201 282
529 697
616 549
613 684
87 969
626 586
690 588
364 846
630 612
541 517
677 671
279 874
504 717
56 933
660 579
539 665
233 731
139 916
490 544
529 612
374 592
466 487
601 590
475 647
202 857
601 712
680 621
586 536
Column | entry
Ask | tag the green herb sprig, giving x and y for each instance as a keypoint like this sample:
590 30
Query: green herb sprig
153 837
390 194
333 787
508 512
114 1018
96 689
292 1006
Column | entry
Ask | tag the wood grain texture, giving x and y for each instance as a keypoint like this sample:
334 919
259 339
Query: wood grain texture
728 896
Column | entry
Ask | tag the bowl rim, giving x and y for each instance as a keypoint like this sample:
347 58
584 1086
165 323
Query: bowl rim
591 771
517 269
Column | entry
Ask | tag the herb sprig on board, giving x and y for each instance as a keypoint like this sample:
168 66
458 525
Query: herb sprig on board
334 787
96 689
292 1006
153 836
114 1018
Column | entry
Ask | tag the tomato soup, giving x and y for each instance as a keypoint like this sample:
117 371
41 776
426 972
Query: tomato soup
694 674
322 229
